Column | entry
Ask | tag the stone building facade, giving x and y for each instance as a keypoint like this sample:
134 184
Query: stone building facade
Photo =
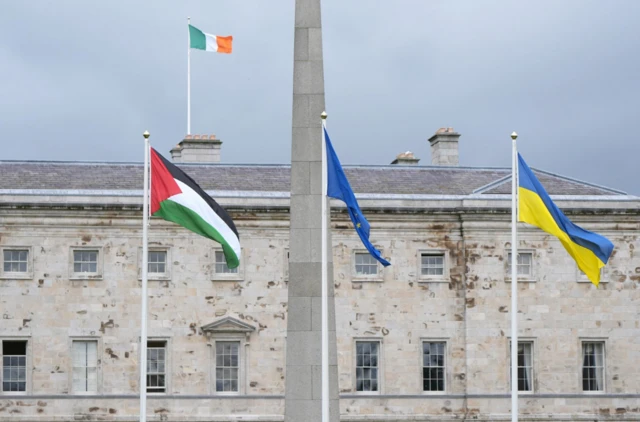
426 338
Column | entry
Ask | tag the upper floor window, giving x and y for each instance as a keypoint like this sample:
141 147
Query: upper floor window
85 261
15 260
221 264
524 266
365 264
432 264
157 262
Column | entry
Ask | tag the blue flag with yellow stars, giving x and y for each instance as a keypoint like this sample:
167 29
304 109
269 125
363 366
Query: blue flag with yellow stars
338 187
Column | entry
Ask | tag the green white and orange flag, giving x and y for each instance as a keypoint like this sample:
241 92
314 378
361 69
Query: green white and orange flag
202 41
177 197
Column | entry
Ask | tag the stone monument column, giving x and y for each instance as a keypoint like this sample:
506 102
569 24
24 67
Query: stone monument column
304 359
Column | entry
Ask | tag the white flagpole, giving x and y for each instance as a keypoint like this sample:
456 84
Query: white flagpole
145 258
188 77
325 287
514 279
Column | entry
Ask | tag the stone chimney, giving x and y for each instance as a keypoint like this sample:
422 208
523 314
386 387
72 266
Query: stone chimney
406 159
444 147
197 149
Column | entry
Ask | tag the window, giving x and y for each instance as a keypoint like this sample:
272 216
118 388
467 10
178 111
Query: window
14 366
221 264
366 265
227 366
433 366
525 266
367 361
593 366
85 261
220 270
157 262
432 264
525 365
85 366
15 260
156 366
582 277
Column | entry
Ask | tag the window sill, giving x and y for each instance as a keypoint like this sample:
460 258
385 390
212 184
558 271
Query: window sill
13 393
360 279
227 393
433 280
232 279
589 281
434 393
88 277
16 276
156 277
522 280
367 393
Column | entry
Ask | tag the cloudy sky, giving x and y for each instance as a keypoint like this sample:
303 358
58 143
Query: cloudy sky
81 80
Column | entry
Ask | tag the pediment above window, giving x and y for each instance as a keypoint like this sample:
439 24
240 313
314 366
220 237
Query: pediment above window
228 325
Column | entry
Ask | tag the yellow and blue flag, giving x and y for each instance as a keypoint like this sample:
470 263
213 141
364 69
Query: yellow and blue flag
590 250
338 187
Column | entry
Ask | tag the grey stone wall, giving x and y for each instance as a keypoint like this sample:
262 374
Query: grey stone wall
470 311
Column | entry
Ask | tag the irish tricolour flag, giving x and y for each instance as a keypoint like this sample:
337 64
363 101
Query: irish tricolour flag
208 42
176 197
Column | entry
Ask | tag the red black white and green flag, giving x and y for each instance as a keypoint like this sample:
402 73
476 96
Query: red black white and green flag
177 197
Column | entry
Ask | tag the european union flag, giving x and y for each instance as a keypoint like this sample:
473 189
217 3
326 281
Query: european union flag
338 187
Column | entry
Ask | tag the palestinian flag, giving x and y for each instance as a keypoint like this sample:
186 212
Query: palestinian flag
177 197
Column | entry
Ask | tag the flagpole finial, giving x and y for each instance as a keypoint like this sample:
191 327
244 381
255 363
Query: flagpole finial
146 134
323 116
514 136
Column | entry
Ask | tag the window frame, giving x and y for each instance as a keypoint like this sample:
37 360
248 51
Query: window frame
242 343
534 382
17 275
86 275
446 366
581 342
167 266
582 277
167 365
28 365
380 342
215 276
377 277
530 278
99 349
446 264
228 329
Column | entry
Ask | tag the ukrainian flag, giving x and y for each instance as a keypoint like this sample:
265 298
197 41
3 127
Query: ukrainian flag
590 250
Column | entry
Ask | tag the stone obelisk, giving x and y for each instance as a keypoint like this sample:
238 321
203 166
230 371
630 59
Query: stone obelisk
304 372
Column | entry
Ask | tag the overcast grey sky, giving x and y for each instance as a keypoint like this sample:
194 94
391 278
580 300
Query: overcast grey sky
81 80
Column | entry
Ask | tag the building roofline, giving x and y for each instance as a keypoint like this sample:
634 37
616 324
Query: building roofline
286 195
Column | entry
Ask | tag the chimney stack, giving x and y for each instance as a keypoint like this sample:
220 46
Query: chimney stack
197 149
406 159
444 147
